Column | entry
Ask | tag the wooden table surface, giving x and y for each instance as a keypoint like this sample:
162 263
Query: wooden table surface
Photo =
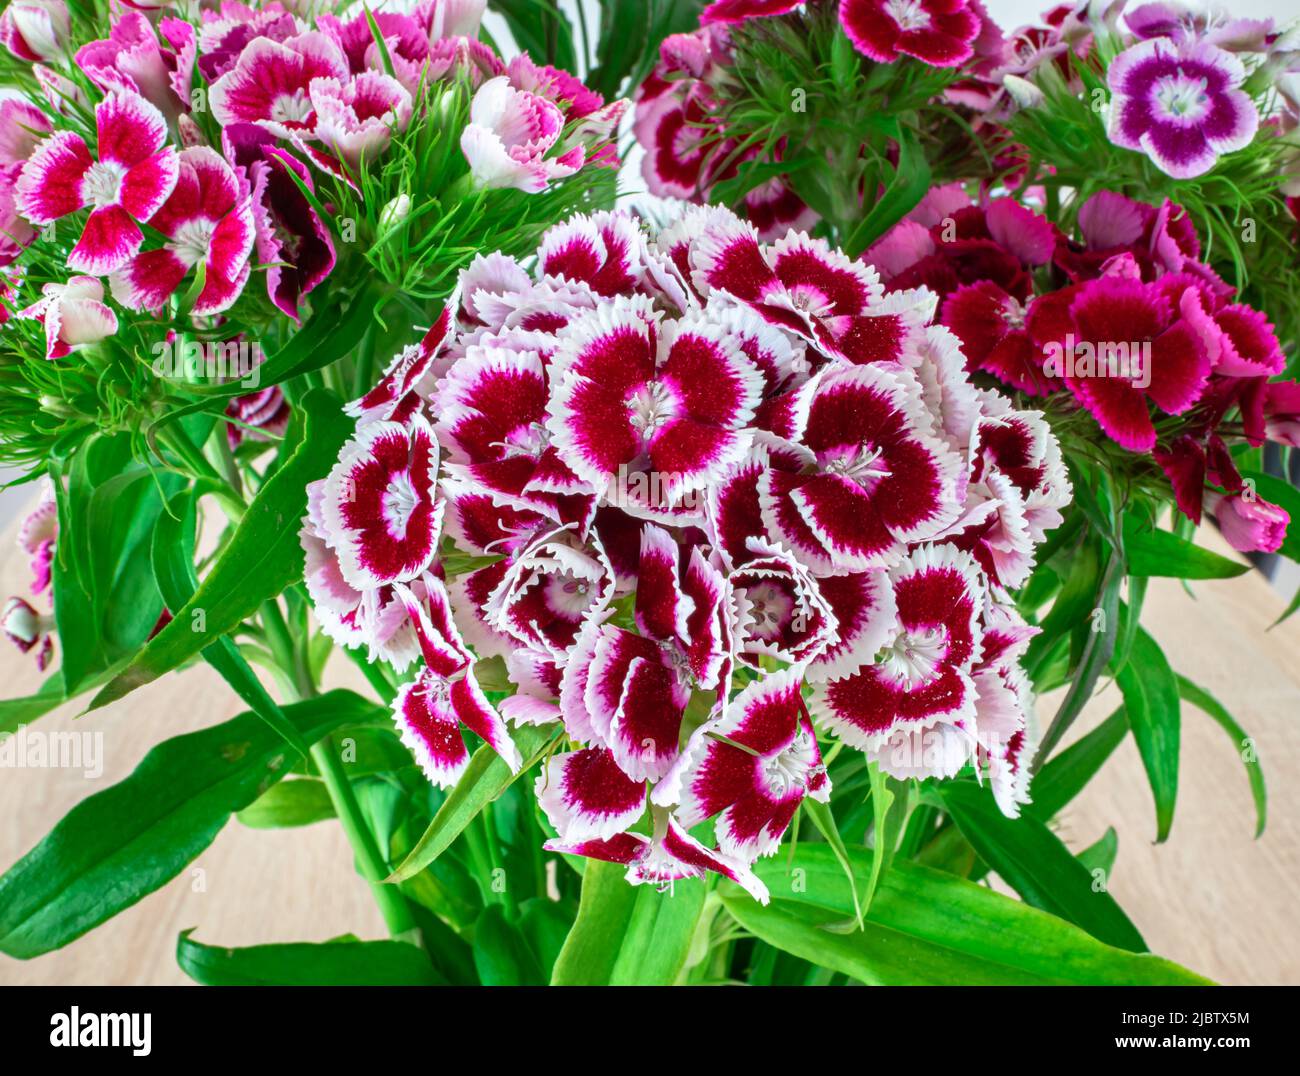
1211 897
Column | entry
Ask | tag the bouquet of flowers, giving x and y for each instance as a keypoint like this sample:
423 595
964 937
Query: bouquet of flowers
703 562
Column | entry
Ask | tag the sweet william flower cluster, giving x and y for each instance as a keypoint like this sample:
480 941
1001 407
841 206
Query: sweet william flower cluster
714 502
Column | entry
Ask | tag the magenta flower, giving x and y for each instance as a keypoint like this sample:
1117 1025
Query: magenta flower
430 710
270 83
938 32
208 220
1113 313
133 59
292 241
28 630
37 535
22 128
1180 103
133 176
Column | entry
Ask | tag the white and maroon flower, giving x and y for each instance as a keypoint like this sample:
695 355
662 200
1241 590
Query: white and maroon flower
28 630
938 32
550 592
491 411
587 797
208 221
1180 103
133 176
395 397
751 768
445 694
270 84
780 609
379 507
357 118
509 136
635 397
866 617
73 314
35 30
873 477
807 287
669 855
923 675
1005 747
293 242
258 416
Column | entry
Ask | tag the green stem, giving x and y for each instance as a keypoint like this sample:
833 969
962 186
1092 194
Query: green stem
370 863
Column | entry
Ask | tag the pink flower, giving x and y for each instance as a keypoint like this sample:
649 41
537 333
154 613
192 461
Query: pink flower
1249 523
35 29
270 83
133 177
37 534
133 60
22 127
73 315
1281 406
208 221
509 135
1180 103
356 119
15 231
938 32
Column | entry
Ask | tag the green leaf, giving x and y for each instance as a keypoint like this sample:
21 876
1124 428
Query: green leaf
263 557
1100 855
821 816
124 842
1151 705
926 927
502 955
1031 859
1203 700
541 30
288 804
173 564
630 935
1065 776
342 962
905 189
1152 551
485 778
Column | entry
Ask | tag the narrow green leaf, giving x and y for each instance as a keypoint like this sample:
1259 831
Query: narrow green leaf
1152 551
1151 705
1100 855
486 777
343 962
1031 859
926 927
1245 746
502 955
124 842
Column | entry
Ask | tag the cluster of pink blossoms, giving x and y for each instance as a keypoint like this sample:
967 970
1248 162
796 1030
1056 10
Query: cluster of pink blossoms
671 480
1134 287
292 99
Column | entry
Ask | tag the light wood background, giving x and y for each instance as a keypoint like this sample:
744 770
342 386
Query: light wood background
1211 897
